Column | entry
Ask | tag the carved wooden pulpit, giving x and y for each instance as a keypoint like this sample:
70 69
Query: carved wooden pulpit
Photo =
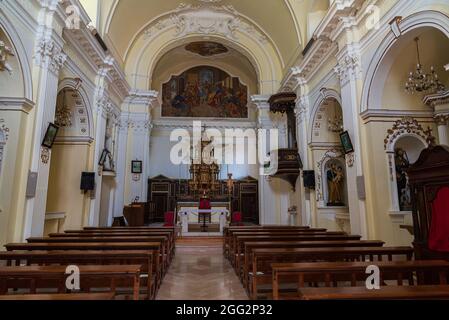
429 186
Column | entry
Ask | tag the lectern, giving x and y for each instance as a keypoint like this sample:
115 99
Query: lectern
205 213
429 186
135 214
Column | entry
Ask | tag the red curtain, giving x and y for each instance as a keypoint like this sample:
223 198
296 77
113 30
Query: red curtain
439 230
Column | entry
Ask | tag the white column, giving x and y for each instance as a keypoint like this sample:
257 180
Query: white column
349 72
442 121
140 128
49 58
302 114
104 108
100 133
273 203
121 167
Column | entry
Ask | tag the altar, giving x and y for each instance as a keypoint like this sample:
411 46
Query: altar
189 215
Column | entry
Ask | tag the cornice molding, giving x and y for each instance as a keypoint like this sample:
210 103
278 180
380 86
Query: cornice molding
16 104
374 114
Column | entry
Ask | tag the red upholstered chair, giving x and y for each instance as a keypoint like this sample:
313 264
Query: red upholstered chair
237 219
169 219
439 230
205 204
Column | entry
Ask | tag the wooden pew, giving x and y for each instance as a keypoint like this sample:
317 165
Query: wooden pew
230 230
329 272
262 258
119 232
101 246
436 292
59 297
162 240
44 276
236 248
250 245
145 258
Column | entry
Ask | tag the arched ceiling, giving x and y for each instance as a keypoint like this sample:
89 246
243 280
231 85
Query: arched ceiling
277 18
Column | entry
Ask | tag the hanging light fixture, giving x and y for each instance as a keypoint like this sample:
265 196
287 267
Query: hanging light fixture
422 82
63 116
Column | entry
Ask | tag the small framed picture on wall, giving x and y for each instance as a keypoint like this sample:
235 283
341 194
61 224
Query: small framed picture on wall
136 167
346 142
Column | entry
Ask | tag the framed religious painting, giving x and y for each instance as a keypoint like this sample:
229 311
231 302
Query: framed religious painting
346 142
136 167
50 135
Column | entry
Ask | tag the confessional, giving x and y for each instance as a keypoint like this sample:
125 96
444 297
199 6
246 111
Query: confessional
429 186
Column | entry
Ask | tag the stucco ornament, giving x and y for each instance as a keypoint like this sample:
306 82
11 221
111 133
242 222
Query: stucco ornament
5 53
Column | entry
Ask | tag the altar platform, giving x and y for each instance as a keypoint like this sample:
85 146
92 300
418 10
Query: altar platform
189 216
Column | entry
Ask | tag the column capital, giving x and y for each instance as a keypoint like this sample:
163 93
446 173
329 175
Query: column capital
442 119
349 64
142 97
49 55
302 108
261 101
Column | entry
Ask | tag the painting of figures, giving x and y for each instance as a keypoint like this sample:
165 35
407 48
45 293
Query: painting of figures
204 92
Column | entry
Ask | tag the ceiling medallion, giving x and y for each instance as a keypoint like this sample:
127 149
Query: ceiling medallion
206 48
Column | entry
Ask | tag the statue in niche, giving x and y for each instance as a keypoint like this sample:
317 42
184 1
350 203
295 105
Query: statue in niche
335 185
402 164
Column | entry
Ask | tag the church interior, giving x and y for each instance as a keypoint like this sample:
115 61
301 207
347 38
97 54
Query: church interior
224 150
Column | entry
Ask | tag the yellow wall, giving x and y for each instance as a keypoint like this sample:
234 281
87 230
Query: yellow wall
64 194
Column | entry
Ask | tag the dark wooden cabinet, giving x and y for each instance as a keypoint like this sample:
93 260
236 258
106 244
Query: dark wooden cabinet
164 194
429 183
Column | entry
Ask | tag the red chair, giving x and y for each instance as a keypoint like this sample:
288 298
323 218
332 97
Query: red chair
205 204
169 219
237 219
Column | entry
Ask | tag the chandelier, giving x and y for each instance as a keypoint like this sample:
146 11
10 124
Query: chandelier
419 81
63 116
336 124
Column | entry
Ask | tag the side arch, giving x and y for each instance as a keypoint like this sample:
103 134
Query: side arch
379 66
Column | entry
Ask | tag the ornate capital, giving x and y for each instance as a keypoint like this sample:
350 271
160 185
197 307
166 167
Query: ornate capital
442 119
349 65
48 55
302 108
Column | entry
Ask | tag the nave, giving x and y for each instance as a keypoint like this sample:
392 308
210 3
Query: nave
255 262
199 271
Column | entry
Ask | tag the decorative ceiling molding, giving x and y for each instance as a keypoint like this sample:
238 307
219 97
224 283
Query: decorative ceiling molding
206 19
85 43
341 15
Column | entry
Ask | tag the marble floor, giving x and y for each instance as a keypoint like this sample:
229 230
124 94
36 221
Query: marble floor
199 271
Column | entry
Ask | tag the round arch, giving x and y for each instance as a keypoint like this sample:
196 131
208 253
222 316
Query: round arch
146 54
379 66
75 84
324 95
21 54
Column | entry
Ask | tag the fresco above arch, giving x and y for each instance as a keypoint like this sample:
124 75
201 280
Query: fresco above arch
204 92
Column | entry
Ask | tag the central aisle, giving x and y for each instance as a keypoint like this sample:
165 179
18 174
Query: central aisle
199 271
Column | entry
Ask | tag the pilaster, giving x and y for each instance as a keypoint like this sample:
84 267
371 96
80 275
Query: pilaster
48 60
349 72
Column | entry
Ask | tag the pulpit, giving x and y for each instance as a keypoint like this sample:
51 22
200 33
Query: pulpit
429 184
